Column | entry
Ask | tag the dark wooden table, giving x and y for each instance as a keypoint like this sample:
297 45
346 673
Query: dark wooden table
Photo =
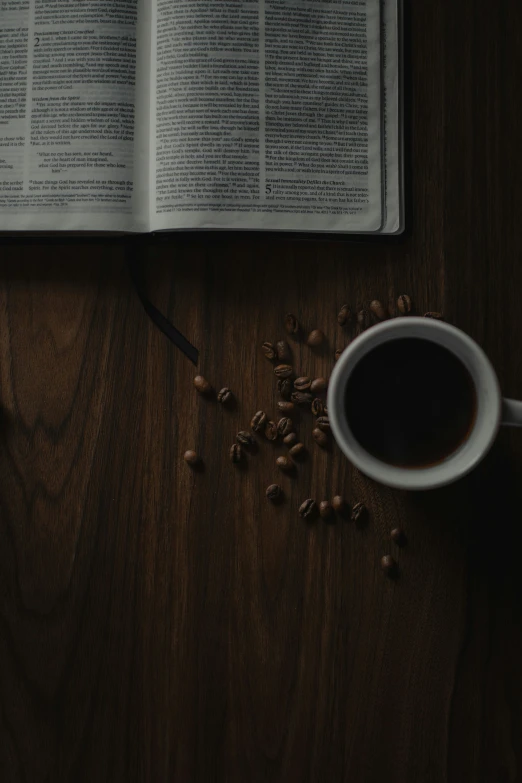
158 624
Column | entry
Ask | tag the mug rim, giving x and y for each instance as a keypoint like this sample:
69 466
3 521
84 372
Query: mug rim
487 420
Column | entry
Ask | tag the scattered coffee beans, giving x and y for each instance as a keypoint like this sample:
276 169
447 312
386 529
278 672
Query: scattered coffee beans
285 426
320 437
284 370
259 421
297 450
363 319
340 505
225 396
437 316
397 536
325 509
236 453
271 432
323 422
319 385
303 383
345 315
302 398
389 566
284 387
317 407
303 391
245 438
315 338
308 509
274 492
359 513
291 324
378 311
202 385
404 304
284 463
269 351
283 351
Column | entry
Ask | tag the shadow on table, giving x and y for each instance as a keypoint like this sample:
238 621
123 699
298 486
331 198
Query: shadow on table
188 255
484 511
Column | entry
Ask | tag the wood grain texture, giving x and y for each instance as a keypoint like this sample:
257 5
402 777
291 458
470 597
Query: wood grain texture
162 624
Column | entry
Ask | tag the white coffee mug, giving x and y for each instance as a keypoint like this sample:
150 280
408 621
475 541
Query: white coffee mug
492 410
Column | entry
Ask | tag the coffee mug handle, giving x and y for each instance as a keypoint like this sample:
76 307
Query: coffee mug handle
512 413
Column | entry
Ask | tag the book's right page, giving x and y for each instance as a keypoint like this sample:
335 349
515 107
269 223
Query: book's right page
267 115
393 132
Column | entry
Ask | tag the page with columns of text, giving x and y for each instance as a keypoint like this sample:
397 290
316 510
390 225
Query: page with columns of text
68 99
267 114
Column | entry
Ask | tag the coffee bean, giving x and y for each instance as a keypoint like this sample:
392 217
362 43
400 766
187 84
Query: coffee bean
274 492
290 439
285 426
297 450
320 437
338 353
284 463
340 505
236 453
323 422
291 324
308 509
398 537
259 421
436 316
284 387
363 319
317 407
319 385
302 398
285 407
404 304
271 432
378 311
225 396
191 458
315 338
303 383
345 315
202 385
284 370
389 566
359 513
325 509
283 351
269 351
245 438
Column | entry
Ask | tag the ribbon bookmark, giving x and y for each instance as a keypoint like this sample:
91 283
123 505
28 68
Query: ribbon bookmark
174 335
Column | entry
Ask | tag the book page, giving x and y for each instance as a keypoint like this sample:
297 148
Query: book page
67 114
392 127
267 115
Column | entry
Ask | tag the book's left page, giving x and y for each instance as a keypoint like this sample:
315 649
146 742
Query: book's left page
68 114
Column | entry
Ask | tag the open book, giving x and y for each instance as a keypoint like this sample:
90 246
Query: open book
153 115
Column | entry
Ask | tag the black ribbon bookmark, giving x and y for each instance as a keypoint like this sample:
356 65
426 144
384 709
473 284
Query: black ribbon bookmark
136 269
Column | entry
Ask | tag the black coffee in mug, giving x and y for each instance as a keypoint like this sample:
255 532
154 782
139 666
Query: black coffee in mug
410 402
